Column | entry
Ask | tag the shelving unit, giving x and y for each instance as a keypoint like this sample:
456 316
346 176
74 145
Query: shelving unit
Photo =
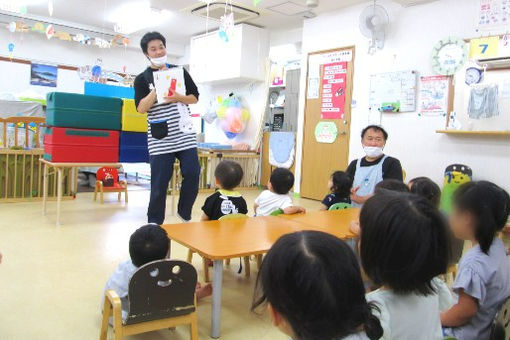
475 133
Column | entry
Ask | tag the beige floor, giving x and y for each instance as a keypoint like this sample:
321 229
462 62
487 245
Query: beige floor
51 278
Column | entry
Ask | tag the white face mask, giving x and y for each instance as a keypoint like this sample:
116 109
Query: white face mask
159 62
373 151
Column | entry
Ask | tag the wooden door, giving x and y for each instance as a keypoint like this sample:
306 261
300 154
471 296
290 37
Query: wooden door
320 160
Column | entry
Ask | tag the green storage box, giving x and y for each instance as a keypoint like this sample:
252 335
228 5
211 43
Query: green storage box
81 111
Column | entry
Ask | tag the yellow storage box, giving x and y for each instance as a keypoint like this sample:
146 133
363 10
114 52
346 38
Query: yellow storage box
132 120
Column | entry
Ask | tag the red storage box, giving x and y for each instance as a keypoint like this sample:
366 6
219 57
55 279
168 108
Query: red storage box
81 145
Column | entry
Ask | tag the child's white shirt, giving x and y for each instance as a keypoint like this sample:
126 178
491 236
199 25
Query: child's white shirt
269 201
412 316
119 282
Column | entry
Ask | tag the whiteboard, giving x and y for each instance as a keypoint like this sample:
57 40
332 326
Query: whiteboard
392 87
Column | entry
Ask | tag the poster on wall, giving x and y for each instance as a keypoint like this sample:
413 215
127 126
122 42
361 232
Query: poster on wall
434 93
334 76
43 75
326 132
393 92
493 14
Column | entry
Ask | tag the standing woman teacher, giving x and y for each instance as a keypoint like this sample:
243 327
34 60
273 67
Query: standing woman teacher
169 132
375 167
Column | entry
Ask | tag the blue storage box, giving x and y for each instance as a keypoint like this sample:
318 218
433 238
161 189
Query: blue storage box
133 147
112 91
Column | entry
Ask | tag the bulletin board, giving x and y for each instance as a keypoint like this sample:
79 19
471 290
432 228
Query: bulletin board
392 87
499 78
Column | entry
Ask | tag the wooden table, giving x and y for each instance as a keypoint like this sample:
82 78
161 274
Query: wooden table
220 240
59 168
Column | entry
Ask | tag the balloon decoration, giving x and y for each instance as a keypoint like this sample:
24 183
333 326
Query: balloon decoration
232 117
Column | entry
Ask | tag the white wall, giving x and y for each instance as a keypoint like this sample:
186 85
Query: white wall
35 47
413 33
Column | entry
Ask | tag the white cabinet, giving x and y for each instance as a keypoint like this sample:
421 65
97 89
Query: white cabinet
243 57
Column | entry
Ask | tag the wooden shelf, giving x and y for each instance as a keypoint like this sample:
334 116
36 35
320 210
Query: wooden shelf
475 133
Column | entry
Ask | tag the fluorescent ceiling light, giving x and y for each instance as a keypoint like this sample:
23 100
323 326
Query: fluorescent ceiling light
135 16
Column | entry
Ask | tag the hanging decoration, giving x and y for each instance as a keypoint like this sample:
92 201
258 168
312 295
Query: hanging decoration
50 31
12 27
97 70
10 47
256 2
226 23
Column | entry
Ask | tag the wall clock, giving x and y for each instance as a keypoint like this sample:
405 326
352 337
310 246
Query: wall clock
473 75
449 55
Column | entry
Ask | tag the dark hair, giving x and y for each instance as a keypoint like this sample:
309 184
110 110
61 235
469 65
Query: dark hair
376 128
424 186
229 174
282 180
150 36
489 204
391 185
313 280
342 183
404 242
148 243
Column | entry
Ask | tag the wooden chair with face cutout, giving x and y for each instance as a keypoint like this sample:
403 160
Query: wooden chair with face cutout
161 296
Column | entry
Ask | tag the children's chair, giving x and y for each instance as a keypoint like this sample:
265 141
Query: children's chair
501 327
107 180
340 206
276 212
161 296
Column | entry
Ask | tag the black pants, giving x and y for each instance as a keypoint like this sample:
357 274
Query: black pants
162 167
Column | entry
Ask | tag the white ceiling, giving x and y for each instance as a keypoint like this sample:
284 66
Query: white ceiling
182 25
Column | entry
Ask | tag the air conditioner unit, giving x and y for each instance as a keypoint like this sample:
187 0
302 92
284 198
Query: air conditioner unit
217 10
409 3
494 63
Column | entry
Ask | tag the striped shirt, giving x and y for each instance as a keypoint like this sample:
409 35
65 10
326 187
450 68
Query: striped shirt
176 115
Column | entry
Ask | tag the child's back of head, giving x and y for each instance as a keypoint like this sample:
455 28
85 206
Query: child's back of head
313 281
425 187
341 184
229 174
486 206
148 243
391 185
404 242
281 181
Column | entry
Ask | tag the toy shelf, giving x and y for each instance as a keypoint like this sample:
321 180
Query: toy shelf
474 133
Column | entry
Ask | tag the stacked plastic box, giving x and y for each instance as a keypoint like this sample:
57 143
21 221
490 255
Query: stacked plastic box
91 128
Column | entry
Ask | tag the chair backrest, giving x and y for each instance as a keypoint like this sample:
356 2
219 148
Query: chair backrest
340 206
276 212
109 176
232 216
501 326
161 289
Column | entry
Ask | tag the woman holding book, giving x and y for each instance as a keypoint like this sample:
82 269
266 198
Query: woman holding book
170 131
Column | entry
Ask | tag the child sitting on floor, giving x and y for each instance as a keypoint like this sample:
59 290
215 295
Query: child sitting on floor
225 200
339 185
403 248
148 243
424 186
481 209
312 285
277 195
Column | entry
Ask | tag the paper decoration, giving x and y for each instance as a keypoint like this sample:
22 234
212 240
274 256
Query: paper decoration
484 48
326 132
63 36
334 77
39 27
226 26
12 27
50 31
494 13
50 7
10 47
434 93
393 87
